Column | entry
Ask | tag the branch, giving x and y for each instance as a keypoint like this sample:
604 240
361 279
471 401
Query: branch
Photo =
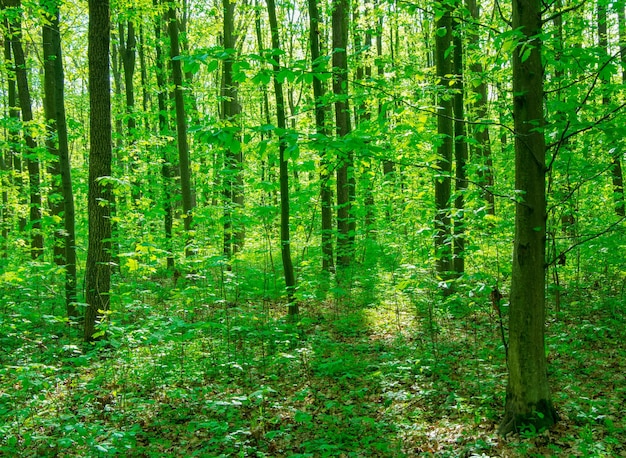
587 239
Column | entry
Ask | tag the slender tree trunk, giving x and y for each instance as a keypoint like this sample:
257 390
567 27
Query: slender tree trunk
481 132
445 129
13 159
363 114
345 168
528 400
32 162
323 131
460 154
234 234
128 52
168 170
616 170
285 240
181 128
98 267
57 142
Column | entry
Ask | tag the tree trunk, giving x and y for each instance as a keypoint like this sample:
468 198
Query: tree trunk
323 131
285 240
181 128
528 400
57 143
234 234
345 167
128 48
616 171
460 155
445 129
98 267
481 132
32 162
168 170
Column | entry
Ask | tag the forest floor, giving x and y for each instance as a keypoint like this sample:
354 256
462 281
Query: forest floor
183 374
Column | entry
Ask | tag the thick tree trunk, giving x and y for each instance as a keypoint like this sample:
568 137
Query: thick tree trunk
234 234
285 241
528 400
181 128
445 129
323 131
32 161
98 267
57 144
345 168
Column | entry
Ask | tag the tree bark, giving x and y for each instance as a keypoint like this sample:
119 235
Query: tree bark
285 240
234 235
128 52
481 132
168 169
616 171
460 156
181 129
100 195
445 130
57 144
528 401
323 131
345 168
30 156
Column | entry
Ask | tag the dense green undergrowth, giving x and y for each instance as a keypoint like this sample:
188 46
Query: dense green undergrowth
189 369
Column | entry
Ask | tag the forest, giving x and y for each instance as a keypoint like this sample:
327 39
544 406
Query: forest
312 228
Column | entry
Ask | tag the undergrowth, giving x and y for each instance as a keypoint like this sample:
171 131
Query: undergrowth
190 370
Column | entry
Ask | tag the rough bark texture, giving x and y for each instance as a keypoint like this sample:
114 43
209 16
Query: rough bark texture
57 144
445 129
345 172
321 128
181 128
528 399
98 266
285 242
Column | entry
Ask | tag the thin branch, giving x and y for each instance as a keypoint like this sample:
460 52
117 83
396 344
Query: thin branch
585 240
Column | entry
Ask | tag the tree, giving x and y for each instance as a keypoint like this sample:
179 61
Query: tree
345 168
62 196
616 169
233 157
181 127
31 159
285 238
482 146
528 400
445 130
100 195
323 131
460 154
168 171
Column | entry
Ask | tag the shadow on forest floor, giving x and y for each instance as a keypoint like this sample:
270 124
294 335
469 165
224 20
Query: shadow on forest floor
183 376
